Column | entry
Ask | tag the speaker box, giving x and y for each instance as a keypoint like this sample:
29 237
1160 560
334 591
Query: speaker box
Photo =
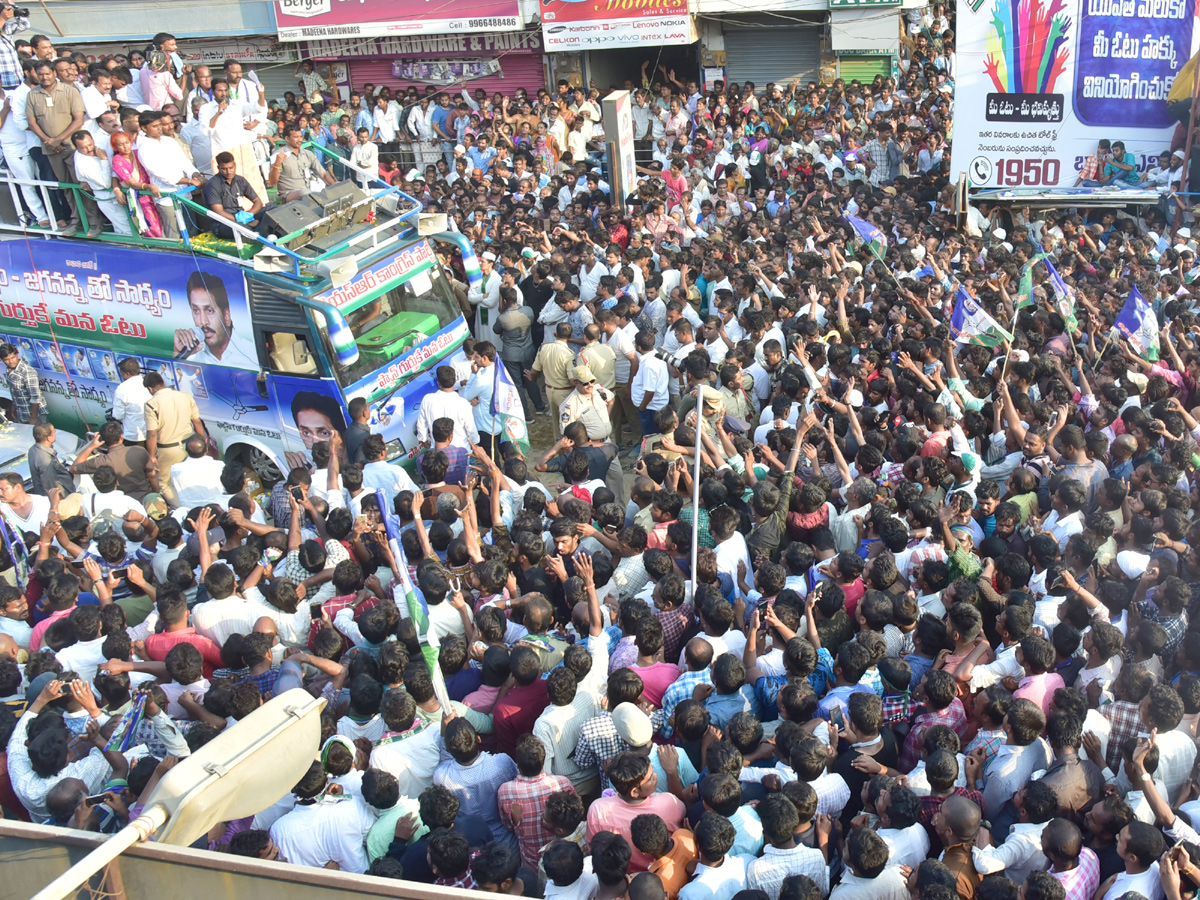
336 197
290 217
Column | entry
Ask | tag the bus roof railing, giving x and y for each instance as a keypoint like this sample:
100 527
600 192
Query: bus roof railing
285 255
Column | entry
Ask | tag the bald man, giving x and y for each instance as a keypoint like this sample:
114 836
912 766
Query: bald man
1120 462
957 825
9 649
266 625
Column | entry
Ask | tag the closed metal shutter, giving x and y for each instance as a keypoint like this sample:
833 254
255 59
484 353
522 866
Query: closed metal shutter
774 52
277 80
864 68
516 70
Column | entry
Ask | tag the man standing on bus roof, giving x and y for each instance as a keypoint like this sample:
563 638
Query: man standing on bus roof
171 418
217 344
23 385
233 119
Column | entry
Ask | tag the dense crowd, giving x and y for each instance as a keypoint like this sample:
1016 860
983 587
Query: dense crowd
933 638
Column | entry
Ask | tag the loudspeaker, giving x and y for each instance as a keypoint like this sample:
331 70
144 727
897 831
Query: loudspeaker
336 197
290 217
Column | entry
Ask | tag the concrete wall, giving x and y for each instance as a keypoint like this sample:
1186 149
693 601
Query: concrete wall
32 855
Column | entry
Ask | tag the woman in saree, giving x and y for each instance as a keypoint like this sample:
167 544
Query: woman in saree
128 173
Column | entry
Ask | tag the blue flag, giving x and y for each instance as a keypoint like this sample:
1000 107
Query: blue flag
1139 326
870 234
1064 297
970 323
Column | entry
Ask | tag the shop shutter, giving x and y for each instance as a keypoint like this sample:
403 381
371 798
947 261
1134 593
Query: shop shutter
864 68
516 70
773 53
277 80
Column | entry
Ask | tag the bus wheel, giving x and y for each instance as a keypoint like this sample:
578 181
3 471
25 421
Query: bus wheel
262 465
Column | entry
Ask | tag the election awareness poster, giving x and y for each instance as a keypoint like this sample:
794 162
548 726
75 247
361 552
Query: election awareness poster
299 20
1056 77
75 313
597 24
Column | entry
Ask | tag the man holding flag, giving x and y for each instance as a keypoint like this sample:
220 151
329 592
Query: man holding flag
1139 326
507 412
495 402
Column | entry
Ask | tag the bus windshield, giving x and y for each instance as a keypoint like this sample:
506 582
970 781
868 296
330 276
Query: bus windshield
390 324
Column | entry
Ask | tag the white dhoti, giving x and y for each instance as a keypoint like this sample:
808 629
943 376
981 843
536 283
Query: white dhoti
18 162
116 215
247 166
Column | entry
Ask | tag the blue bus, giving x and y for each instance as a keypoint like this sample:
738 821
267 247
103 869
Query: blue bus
273 336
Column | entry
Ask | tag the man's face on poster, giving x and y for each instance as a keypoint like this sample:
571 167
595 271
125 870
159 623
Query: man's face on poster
314 426
214 322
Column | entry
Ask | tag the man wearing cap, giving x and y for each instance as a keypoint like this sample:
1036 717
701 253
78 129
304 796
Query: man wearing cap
486 298
588 403
555 359
598 357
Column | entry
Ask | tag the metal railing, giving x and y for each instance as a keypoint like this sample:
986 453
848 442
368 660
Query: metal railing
392 206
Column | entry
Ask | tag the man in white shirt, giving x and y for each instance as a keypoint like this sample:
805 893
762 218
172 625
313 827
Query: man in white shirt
166 165
15 140
409 754
444 402
731 550
900 827
865 878
98 97
318 833
129 401
1021 852
198 138
197 479
25 512
626 367
379 474
486 298
85 656
365 157
232 123
199 95
649 385
95 172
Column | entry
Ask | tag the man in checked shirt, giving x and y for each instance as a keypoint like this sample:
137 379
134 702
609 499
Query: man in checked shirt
28 404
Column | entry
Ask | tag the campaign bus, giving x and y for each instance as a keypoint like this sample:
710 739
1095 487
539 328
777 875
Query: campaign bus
272 336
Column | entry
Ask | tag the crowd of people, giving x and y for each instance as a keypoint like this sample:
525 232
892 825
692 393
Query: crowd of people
925 633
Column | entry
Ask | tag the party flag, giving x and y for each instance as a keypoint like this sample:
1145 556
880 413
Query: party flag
507 410
1064 297
871 235
1138 324
971 324
1024 296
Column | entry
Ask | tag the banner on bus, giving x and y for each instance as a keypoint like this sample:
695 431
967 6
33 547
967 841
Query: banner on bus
299 20
582 25
106 296
1040 83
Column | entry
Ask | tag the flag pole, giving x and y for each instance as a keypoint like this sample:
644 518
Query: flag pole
696 489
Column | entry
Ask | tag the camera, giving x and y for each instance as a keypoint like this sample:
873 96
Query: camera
21 12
